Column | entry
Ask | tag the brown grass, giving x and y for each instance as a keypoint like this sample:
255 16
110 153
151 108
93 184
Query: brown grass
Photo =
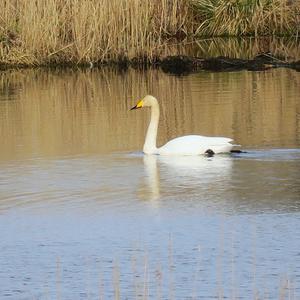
79 31
90 31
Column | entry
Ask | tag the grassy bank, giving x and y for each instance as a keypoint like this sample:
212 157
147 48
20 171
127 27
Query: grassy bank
82 31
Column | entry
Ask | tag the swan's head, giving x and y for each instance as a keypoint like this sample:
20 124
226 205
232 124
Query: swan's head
146 101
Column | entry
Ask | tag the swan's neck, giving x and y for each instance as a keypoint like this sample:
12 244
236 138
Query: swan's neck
150 141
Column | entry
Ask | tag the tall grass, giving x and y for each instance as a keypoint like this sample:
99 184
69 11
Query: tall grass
247 17
35 32
82 31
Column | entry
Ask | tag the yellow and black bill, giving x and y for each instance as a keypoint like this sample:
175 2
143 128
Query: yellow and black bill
139 105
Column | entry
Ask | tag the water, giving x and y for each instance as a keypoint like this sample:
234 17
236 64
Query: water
84 215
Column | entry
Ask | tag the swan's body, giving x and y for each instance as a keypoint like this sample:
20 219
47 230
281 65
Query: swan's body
184 145
195 145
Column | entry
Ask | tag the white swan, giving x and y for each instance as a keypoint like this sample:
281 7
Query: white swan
184 145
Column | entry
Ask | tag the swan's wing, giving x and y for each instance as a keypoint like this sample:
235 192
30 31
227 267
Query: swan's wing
196 144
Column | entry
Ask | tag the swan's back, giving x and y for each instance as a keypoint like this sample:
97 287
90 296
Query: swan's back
195 145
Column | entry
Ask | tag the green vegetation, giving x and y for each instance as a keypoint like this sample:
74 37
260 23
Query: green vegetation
247 17
82 31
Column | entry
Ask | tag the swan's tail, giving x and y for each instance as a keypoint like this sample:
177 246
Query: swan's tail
238 151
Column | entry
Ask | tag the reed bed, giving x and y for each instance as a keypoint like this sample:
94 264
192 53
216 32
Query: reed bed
80 31
92 31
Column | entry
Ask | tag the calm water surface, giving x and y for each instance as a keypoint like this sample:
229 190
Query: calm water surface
84 215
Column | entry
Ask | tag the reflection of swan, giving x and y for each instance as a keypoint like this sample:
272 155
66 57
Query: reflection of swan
152 176
184 145
168 175
198 168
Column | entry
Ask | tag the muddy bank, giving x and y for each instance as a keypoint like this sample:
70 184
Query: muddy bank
180 64
185 65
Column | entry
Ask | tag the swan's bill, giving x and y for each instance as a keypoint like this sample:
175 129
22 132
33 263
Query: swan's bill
139 105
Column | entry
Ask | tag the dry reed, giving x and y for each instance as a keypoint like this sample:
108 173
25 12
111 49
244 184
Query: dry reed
92 31
80 31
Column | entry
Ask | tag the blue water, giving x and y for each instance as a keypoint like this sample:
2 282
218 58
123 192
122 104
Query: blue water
196 228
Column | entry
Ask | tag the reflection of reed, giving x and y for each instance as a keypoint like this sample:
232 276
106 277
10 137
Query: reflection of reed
71 112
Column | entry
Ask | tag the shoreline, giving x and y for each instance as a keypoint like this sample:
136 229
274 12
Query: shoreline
176 64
